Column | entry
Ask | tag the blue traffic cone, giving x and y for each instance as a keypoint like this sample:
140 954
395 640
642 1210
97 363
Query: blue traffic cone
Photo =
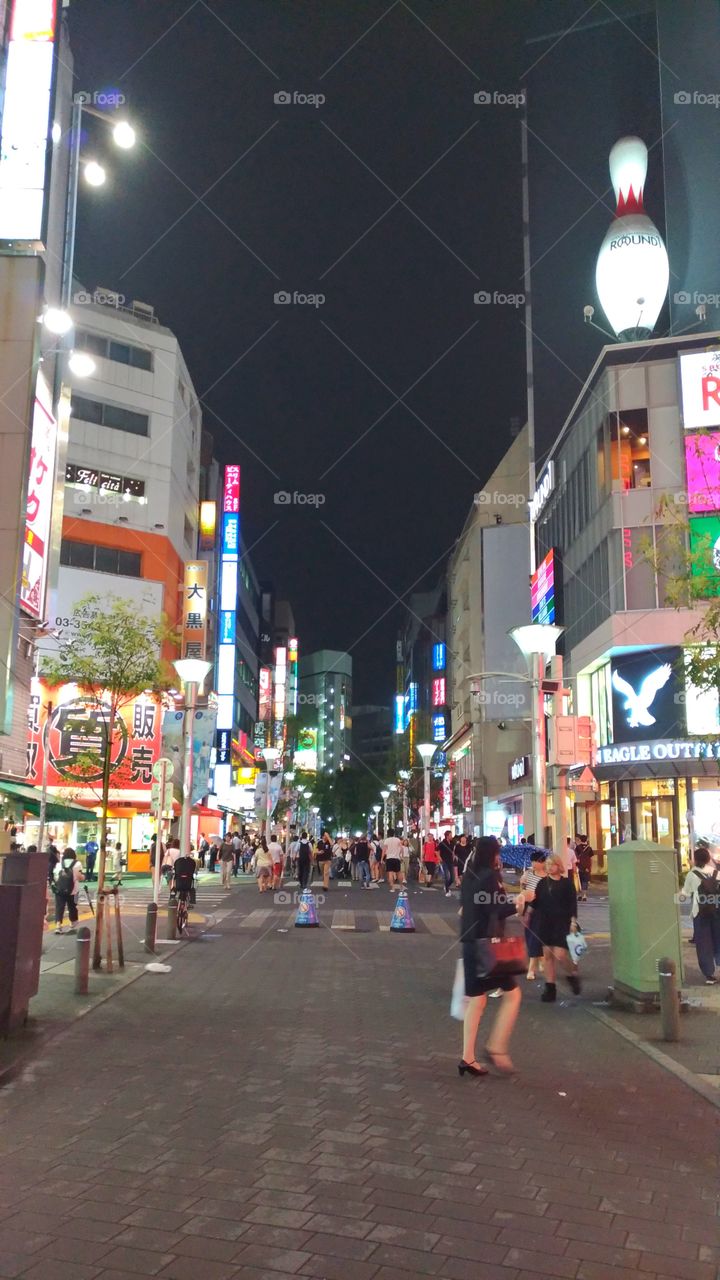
402 921
307 916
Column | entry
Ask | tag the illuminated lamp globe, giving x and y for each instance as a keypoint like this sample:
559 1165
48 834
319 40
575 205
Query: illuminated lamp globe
192 670
57 320
426 751
94 173
81 364
124 135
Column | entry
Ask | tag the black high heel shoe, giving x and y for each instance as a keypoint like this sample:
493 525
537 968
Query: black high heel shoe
472 1068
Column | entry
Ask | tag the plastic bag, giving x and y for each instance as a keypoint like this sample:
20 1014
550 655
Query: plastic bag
458 1001
577 946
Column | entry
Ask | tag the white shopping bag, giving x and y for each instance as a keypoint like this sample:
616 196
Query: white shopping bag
458 1002
577 946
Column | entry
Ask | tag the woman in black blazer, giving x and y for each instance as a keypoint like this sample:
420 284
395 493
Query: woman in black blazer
484 900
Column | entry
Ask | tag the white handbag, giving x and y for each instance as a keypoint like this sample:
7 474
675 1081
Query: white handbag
458 1001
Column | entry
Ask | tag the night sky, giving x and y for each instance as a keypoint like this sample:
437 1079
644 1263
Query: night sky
398 199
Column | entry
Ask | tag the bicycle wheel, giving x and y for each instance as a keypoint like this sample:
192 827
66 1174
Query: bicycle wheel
182 915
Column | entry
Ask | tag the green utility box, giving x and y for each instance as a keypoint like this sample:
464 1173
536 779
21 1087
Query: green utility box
644 918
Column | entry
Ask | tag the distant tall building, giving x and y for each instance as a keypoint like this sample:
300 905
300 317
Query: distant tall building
372 737
278 674
325 697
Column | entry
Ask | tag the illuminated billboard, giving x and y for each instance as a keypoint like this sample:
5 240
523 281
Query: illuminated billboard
226 652
438 691
702 460
705 552
195 610
39 503
542 590
306 753
26 120
700 387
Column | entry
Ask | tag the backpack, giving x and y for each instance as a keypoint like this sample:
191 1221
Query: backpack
304 848
66 879
708 892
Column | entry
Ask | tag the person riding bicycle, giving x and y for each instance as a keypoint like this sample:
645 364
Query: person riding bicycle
184 869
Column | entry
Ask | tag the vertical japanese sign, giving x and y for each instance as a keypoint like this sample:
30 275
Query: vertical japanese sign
292 657
38 518
195 608
226 654
26 119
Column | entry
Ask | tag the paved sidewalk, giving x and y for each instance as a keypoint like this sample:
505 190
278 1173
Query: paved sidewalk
288 1103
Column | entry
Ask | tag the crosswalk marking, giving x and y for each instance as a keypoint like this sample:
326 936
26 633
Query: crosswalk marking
343 920
437 925
256 919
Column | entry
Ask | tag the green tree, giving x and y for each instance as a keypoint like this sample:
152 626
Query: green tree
113 654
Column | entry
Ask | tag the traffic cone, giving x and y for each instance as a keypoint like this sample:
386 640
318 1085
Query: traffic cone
402 921
307 916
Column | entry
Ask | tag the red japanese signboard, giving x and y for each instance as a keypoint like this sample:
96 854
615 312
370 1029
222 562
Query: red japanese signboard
74 737
467 793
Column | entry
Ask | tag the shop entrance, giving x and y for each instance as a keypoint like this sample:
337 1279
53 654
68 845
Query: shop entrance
653 818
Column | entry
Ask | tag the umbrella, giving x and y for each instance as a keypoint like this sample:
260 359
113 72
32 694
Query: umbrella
520 856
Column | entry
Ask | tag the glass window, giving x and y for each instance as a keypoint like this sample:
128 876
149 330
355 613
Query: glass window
88 410
631 451
106 559
126 420
140 358
77 554
120 352
129 564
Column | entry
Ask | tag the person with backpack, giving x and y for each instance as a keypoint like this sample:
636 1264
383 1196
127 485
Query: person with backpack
702 887
67 878
304 860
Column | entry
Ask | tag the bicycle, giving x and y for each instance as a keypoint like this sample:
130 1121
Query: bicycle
182 909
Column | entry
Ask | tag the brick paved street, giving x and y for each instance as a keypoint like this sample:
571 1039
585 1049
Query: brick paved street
287 1102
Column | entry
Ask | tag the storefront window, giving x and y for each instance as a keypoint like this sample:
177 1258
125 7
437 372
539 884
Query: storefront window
631 451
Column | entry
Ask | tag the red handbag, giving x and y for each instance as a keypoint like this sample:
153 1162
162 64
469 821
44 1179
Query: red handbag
501 957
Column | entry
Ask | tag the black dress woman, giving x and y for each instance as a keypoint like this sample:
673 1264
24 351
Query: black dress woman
484 902
554 917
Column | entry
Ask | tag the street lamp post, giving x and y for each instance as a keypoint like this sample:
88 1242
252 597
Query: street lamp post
270 755
290 777
192 672
315 812
384 795
405 774
536 641
376 809
426 751
392 788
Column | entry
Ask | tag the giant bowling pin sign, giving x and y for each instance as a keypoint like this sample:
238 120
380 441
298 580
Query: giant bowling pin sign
632 271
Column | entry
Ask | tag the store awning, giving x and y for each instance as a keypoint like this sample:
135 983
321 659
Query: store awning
56 811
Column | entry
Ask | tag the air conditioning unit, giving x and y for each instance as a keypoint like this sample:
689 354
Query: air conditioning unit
143 310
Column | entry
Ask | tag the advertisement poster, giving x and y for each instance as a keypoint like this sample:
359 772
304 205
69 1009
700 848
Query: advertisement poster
204 727
74 738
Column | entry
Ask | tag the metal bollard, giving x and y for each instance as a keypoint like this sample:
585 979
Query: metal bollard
669 1001
172 921
151 928
82 960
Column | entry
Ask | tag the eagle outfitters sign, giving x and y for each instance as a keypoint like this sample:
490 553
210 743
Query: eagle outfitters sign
663 749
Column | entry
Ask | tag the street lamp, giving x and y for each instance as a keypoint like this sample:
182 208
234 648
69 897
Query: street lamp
392 788
270 755
376 809
405 775
192 672
537 641
315 812
426 751
384 795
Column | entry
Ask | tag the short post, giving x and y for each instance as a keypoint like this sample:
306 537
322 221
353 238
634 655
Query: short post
118 930
669 1001
172 920
82 960
151 928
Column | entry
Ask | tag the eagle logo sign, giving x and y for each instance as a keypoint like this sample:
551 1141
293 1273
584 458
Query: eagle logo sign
637 705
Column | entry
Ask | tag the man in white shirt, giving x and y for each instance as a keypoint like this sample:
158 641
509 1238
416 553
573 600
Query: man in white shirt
392 853
569 858
702 887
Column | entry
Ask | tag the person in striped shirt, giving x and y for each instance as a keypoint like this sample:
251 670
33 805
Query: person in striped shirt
528 880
